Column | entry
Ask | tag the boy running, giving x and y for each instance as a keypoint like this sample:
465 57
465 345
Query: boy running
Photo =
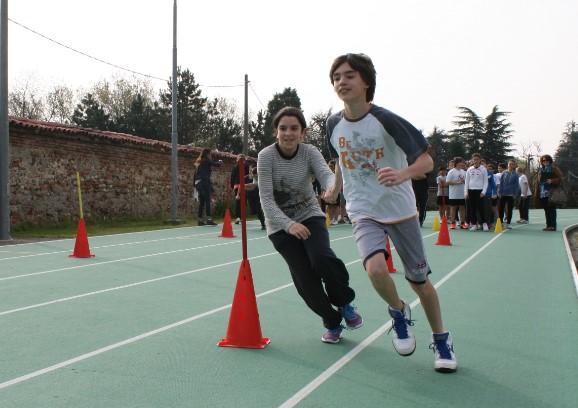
379 153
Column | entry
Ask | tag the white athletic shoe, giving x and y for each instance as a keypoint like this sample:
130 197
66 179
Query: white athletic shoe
444 356
485 226
403 338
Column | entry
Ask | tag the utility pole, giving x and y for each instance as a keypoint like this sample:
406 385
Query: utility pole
174 134
4 126
246 117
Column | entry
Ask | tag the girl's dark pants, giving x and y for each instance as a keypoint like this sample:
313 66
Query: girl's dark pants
204 191
320 278
549 211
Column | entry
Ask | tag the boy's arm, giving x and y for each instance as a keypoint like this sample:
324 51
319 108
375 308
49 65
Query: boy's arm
390 176
330 195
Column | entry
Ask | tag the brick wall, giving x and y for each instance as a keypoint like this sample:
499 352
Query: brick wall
122 176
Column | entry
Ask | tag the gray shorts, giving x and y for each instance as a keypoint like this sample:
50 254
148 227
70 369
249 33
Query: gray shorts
406 236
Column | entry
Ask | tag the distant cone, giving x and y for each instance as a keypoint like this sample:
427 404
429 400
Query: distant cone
81 248
244 330
444 234
227 231
499 228
390 267
327 219
436 223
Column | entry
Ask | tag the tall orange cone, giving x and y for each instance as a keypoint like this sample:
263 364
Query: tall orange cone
244 328
227 231
81 248
444 234
389 260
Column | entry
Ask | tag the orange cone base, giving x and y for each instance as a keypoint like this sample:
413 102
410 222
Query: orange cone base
227 231
254 345
81 248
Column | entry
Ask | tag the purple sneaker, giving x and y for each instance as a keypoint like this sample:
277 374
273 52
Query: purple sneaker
332 336
353 320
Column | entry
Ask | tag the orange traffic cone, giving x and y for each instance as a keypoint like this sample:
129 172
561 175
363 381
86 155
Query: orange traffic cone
244 328
444 234
227 231
389 260
81 248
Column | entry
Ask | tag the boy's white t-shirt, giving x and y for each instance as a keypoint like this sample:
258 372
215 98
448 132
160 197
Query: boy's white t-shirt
442 191
524 186
378 139
456 190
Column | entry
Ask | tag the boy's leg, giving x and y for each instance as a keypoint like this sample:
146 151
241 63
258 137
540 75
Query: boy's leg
429 300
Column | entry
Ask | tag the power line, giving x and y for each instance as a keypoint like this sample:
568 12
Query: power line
109 63
256 96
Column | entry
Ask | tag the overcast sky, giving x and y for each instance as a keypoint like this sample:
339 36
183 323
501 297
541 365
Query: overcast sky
430 56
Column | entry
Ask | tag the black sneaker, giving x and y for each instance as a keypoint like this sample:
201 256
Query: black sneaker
210 222
200 223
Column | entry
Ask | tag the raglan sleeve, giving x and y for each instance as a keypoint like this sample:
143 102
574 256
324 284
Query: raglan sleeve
406 136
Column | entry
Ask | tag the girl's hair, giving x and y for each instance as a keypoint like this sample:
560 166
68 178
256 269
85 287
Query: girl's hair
203 156
360 63
546 157
290 111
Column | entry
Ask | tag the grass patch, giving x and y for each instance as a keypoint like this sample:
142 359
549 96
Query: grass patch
68 230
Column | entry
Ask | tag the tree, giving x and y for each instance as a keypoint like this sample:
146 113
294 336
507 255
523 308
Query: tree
116 97
495 137
256 133
439 142
223 128
567 152
89 113
191 108
59 104
288 97
469 130
25 102
317 133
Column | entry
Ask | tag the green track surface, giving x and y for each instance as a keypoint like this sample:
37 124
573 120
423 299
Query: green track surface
137 325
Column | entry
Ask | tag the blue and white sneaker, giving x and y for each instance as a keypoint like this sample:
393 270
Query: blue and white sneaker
443 348
332 336
403 338
353 320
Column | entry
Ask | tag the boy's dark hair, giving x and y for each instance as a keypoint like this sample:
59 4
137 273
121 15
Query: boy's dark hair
290 111
502 165
458 159
362 64
442 167
476 155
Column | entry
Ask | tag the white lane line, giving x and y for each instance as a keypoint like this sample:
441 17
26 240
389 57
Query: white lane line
325 375
125 259
212 234
130 285
570 257
131 340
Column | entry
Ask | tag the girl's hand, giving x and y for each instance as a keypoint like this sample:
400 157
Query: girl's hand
299 231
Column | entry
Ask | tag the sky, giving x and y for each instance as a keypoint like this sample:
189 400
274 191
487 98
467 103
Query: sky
430 56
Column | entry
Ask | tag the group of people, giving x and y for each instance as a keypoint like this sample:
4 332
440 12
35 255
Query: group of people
474 195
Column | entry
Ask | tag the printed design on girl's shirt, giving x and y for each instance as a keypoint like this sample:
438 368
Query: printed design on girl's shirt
290 201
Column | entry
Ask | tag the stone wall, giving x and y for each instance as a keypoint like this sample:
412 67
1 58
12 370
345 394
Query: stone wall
122 176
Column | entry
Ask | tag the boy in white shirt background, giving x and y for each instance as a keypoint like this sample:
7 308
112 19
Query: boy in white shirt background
456 180
475 188
525 194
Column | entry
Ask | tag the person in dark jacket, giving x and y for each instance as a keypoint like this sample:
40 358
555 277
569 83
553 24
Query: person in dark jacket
203 168
549 177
